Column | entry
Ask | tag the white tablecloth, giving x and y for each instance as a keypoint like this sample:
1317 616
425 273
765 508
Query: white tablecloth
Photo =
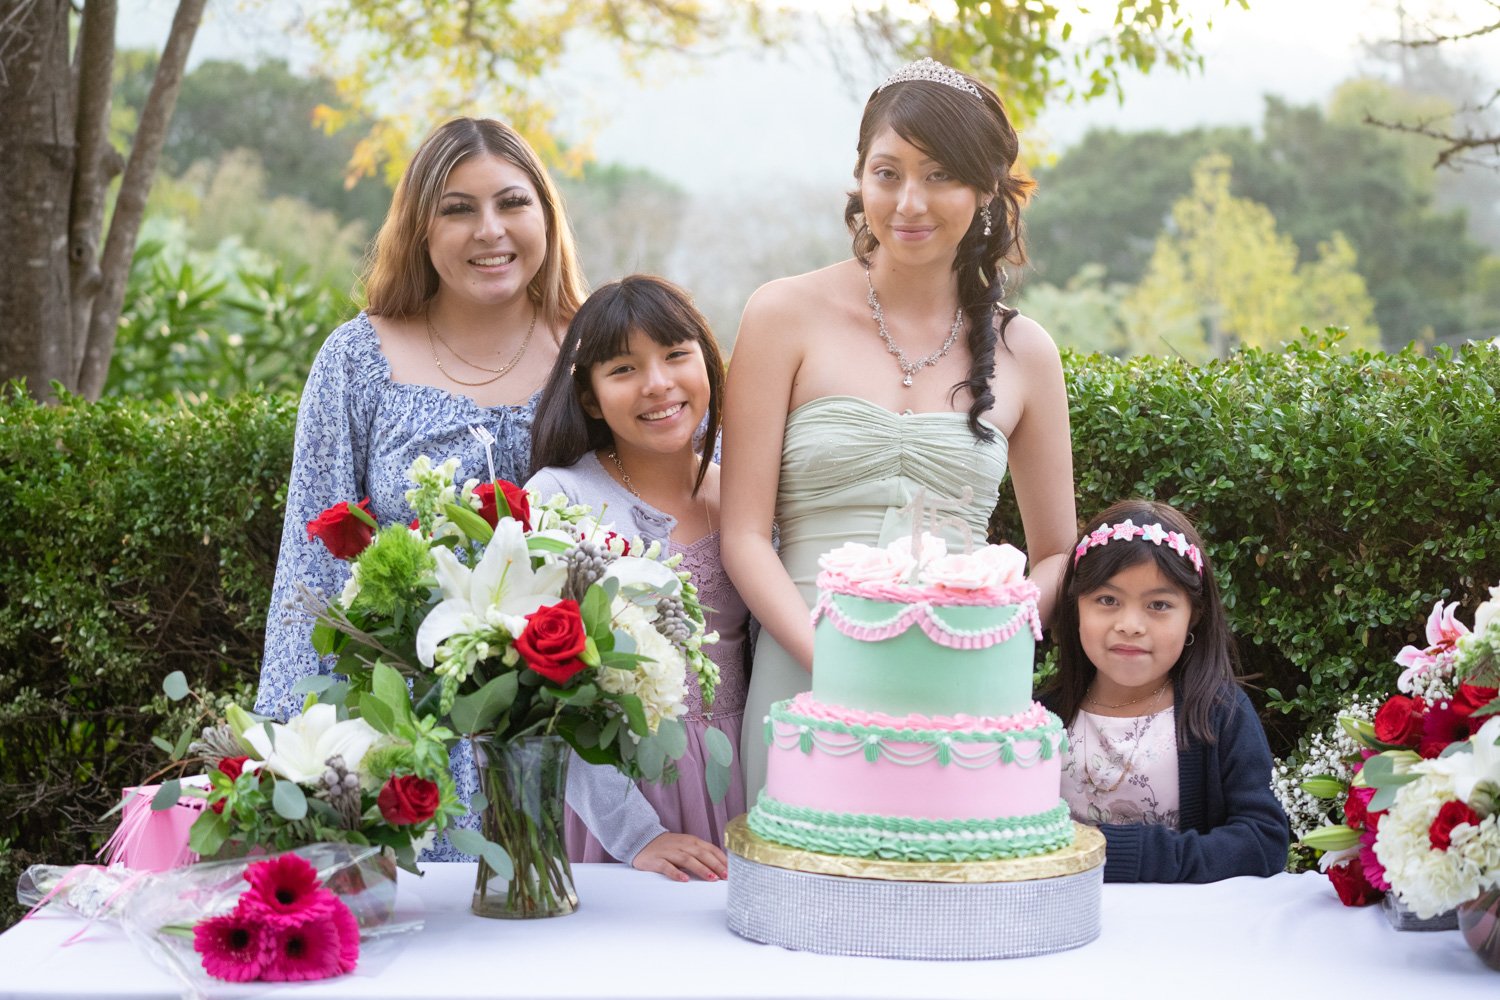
638 935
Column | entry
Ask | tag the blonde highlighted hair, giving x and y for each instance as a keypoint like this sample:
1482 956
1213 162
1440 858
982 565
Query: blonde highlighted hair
400 279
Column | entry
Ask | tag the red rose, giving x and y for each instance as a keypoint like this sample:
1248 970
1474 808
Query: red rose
343 532
231 767
408 799
1440 727
552 641
1350 883
515 496
1454 813
1356 807
1399 721
1469 699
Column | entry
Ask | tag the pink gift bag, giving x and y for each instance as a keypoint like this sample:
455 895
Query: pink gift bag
147 840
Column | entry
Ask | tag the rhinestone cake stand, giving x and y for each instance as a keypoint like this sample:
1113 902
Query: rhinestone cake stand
835 905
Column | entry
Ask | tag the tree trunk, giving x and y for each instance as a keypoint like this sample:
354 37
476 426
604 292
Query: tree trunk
130 204
36 179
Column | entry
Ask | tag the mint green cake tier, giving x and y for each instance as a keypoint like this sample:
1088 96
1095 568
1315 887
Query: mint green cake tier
895 838
910 673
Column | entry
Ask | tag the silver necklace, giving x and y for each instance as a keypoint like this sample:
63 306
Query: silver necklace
909 367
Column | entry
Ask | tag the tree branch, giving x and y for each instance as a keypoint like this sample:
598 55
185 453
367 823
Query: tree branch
1454 142
130 205
96 59
1462 36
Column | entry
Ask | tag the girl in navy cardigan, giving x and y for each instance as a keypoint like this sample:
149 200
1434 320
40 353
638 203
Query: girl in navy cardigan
1165 755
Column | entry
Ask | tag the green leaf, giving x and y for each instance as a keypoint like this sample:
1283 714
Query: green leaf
166 796
478 803
325 638
720 751
288 800
161 744
1383 799
544 544
623 642
652 757
208 832
474 713
390 687
175 685
607 734
377 713
635 714
183 742
359 514
313 684
622 661
595 611
471 842
1325 786
1332 838
472 524
717 777
672 737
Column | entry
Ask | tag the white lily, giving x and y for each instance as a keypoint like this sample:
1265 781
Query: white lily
1468 770
645 573
501 590
299 749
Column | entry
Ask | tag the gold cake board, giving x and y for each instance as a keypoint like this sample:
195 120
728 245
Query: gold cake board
1086 852
1009 908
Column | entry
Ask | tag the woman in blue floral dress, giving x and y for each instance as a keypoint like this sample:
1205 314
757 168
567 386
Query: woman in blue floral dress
470 289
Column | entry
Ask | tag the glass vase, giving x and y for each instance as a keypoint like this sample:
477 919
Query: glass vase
1479 921
524 782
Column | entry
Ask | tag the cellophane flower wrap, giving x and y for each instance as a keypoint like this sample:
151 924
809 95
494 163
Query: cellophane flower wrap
514 615
272 918
1348 778
363 769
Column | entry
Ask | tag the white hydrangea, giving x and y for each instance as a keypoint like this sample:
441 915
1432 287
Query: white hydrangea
1428 880
659 683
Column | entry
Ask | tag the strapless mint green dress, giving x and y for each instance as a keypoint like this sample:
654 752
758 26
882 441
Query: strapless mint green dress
848 467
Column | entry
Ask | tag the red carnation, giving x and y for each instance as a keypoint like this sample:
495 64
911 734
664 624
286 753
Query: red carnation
343 532
552 641
408 799
1454 813
1399 721
1350 883
1356 807
515 496
1440 727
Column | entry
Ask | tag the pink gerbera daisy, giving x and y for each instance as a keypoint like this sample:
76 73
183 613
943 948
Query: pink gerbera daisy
286 891
309 950
348 929
235 947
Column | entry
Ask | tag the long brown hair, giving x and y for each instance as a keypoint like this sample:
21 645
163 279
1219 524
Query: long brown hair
1205 673
562 431
399 278
974 141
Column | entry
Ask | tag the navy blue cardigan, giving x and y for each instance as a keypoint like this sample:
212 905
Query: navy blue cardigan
1229 822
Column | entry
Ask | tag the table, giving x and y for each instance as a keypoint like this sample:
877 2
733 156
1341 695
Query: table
638 935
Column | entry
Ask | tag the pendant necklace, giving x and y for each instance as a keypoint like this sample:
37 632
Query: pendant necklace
908 367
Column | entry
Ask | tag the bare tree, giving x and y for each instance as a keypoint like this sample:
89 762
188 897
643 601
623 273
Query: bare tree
1470 134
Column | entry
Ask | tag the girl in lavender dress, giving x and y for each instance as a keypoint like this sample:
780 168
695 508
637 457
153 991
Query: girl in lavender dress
470 288
617 429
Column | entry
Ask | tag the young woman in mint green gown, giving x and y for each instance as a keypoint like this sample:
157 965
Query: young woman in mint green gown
853 387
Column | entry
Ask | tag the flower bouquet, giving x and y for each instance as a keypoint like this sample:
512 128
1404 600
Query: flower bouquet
1447 694
523 622
374 776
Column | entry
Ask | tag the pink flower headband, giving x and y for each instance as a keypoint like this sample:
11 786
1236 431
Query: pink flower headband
1154 533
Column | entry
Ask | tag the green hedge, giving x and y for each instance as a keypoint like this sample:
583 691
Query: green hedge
1340 496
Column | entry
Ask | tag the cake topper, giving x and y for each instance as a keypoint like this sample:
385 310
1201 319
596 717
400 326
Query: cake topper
927 516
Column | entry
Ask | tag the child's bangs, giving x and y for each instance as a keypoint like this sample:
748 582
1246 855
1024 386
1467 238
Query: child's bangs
610 329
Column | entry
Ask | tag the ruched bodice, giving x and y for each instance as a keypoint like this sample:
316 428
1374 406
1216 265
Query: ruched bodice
848 467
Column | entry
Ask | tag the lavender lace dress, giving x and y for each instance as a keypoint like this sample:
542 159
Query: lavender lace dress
357 434
615 817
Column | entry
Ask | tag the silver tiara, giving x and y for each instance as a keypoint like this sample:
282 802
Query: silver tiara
933 72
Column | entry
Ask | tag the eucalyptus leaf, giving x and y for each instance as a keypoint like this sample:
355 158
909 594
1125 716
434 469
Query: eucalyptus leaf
478 803
1383 798
652 757
313 684
161 744
1453 748
717 777
720 751
623 642
166 796
289 801
672 737
183 742
471 842
175 685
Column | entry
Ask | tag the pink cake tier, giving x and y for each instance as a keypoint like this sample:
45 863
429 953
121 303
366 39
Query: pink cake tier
913 787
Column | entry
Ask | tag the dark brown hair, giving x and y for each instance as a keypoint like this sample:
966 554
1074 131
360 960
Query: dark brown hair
974 141
563 432
1205 673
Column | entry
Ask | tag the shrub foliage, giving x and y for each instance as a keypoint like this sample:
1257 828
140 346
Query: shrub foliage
1340 494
